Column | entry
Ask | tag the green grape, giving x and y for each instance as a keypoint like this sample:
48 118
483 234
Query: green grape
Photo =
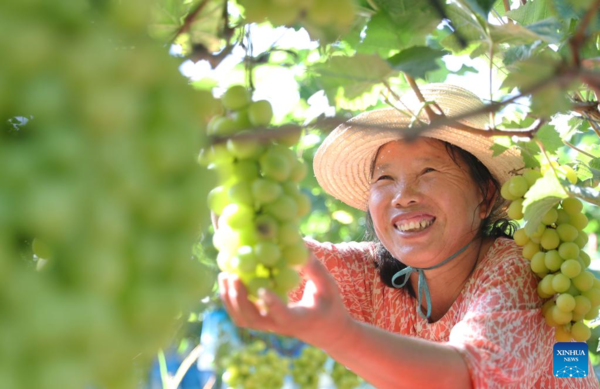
572 205
244 148
218 199
245 260
246 170
266 226
531 176
237 216
571 175
592 314
549 239
540 292
298 172
560 316
265 190
547 305
582 239
582 305
530 249
283 209
286 279
241 193
563 217
518 186
521 237
570 268
550 217
562 335
537 263
552 260
584 281
288 235
295 254
546 285
257 283
267 253
579 220
550 318
505 193
593 295
567 232
303 203
561 283
235 98
585 258
275 166
41 249
515 210
565 302
224 126
580 332
568 250
538 232
260 113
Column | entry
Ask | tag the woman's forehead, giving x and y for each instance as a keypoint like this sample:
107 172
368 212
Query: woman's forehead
420 150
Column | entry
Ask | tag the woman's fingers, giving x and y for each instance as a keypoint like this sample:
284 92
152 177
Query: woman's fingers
246 308
318 274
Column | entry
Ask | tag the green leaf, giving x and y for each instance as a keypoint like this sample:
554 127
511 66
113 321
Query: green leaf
385 34
468 26
543 195
549 101
482 7
595 163
529 151
531 12
590 195
416 61
549 138
356 75
498 149
526 73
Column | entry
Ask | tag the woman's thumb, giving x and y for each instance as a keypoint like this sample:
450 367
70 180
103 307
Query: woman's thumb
320 276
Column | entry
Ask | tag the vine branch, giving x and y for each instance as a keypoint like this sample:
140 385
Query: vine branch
189 19
579 37
578 150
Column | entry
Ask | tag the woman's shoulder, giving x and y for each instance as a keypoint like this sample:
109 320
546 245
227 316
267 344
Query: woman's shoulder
505 254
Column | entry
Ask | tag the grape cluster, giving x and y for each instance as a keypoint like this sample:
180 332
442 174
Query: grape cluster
344 378
255 367
555 252
308 367
101 180
322 18
258 199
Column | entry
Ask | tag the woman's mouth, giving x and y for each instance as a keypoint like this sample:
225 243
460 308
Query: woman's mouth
414 225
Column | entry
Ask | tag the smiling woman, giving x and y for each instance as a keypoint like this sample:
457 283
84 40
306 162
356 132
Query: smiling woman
440 229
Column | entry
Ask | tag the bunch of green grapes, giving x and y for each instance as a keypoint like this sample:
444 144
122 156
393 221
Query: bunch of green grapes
308 367
99 173
258 199
323 18
255 367
555 252
344 378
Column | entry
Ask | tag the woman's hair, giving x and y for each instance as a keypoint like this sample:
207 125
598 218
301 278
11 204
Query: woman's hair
388 265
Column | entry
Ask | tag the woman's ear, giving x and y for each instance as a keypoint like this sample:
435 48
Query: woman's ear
488 203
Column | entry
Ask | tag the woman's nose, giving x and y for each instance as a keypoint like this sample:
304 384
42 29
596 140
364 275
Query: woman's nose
406 196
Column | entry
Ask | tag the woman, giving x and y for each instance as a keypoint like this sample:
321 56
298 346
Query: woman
437 215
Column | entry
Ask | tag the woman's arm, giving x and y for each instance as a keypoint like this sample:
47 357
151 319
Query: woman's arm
382 358
388 360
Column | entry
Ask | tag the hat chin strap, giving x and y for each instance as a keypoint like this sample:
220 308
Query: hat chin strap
422 285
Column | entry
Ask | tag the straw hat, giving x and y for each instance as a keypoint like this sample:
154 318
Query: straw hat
343 162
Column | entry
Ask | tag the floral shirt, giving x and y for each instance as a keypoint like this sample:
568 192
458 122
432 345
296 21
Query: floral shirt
495 323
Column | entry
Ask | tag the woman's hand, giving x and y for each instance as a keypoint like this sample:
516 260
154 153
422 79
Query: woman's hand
319 318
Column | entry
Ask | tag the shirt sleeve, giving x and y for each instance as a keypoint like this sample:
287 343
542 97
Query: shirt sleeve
503 336
352 267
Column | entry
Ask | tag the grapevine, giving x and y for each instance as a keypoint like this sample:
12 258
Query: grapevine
555 251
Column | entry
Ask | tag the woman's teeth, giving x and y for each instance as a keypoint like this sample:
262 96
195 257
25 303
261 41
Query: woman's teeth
414 226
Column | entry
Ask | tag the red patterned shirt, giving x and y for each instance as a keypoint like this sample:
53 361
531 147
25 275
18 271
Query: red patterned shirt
495 323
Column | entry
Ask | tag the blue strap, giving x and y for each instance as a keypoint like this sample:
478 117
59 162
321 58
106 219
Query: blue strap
422 285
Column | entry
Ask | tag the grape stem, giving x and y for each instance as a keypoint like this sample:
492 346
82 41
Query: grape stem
189 19
579 37
184 367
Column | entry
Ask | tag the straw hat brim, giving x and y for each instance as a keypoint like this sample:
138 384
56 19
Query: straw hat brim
343 162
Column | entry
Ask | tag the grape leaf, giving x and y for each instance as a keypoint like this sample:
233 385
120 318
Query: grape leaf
482 7
520 53
416 61
549 138
595 163
530 12
356 75
543 195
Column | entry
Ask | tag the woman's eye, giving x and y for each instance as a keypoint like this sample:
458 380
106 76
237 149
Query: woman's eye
384 177
428 170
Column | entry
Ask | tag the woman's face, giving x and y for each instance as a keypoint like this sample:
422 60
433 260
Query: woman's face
424 207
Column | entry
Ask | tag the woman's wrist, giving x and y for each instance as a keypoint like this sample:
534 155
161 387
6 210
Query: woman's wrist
341 337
